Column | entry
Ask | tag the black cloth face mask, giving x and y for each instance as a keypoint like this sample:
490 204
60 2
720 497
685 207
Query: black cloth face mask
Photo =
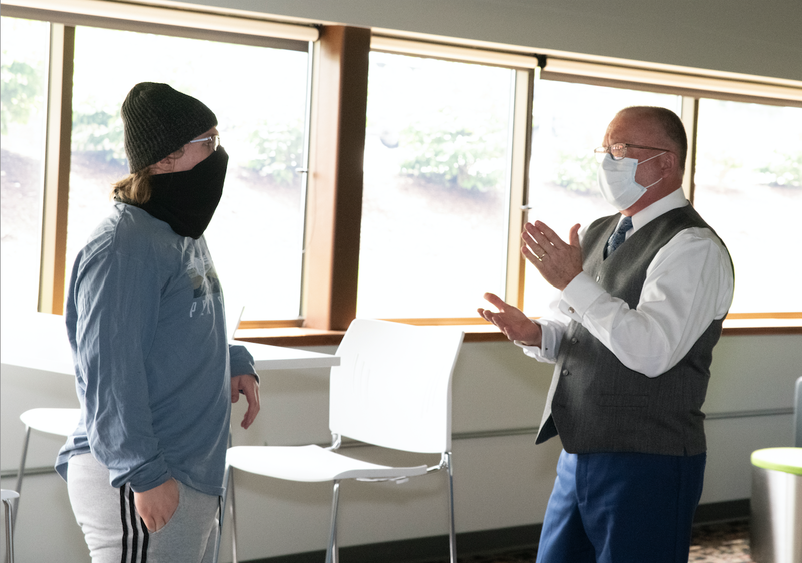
187 200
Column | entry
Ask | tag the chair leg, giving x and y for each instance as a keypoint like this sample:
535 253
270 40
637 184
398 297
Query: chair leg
452 534
222 513
233 520
20 475
332 555
9 532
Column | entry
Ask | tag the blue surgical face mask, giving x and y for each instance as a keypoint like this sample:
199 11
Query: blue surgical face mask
617 181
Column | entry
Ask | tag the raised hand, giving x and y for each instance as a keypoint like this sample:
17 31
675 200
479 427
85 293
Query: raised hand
557 261
512 322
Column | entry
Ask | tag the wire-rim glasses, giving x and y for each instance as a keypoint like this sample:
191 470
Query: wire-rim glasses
619 150
213 139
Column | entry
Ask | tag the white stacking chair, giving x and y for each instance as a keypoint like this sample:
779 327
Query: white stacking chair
392 389
234 314
798 413
7 497
58 421
51 336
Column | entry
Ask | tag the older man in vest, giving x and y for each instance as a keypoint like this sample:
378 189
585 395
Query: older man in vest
643 294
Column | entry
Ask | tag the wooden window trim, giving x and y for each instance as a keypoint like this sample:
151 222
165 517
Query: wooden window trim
334 200
302 337
477 330
52 269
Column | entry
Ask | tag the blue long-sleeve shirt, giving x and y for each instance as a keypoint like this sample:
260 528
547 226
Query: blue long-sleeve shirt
146 323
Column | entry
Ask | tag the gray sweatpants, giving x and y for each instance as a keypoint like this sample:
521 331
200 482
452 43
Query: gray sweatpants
115 533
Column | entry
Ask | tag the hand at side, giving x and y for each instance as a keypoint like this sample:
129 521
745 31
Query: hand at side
248 386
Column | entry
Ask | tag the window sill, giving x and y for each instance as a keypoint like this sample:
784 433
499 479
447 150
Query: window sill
755 326
299 337
296 337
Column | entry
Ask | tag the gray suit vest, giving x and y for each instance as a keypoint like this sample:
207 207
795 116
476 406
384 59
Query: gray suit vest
597 404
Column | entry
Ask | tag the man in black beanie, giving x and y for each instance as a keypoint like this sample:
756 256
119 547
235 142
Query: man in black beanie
146 323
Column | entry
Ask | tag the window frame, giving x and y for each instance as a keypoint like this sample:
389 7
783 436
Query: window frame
691 86
63 19
334 185
526 69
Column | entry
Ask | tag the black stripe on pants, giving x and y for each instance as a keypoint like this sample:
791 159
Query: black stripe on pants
135 524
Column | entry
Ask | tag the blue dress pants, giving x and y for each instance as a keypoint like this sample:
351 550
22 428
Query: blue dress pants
621 508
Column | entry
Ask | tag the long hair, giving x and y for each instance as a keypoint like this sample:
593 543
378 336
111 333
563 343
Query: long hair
134 188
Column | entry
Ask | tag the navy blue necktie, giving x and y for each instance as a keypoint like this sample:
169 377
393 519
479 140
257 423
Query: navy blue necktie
619 235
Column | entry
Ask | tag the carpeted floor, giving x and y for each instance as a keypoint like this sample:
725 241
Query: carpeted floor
720 543
714 543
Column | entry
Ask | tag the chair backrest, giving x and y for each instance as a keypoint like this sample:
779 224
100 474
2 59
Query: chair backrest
38 341
233 317
798 414
393 385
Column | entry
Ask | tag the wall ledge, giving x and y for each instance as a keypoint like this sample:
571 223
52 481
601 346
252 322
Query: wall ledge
300 337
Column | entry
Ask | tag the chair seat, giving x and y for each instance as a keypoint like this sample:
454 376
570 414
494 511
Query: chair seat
9 494
53 421
311 464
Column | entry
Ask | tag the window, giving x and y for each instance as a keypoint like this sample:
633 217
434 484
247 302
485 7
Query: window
258 86
24 97
435 199
749 188
444 169
569 122
259 97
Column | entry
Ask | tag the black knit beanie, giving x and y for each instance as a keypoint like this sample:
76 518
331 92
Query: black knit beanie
158 120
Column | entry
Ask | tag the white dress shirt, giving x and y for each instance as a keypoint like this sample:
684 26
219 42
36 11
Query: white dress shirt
688 285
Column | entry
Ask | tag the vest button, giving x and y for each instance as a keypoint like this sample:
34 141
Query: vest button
574 340
565 372
598 278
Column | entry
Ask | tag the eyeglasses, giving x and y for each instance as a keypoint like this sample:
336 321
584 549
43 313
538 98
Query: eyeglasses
214 140
619 150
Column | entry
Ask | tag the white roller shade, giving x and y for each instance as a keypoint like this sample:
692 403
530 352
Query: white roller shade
74 11
580 68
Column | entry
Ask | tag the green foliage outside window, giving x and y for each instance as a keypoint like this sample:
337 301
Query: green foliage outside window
278 146
279 151
454 153
784 170
21 93
577 172
99 132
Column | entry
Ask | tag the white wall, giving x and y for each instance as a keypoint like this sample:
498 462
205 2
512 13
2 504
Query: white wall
500 481
743 36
